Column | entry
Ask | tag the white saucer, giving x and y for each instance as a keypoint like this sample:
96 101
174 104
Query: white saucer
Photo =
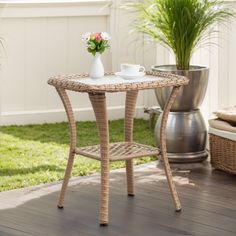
139 75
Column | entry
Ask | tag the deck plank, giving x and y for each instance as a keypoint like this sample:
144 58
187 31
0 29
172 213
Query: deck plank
208 199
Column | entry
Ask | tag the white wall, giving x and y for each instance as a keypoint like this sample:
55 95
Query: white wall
227 64
43 39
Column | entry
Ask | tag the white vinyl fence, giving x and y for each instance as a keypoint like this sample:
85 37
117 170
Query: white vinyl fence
44 38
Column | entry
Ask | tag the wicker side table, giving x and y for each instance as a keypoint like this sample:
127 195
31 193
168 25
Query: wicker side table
106 152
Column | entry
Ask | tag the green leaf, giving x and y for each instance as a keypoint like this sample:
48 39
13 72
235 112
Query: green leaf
91 45
180 24
102 50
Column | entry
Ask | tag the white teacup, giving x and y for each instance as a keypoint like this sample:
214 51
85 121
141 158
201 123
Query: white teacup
131 69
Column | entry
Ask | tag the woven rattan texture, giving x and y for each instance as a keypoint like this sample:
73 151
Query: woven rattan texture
69 111
69 82
127 150
119 151
130 102
223 153
98 101
163 147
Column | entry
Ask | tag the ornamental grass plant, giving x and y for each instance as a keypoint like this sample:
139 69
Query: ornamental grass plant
180 25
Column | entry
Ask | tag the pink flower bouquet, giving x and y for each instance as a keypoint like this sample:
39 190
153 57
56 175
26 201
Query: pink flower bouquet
96 42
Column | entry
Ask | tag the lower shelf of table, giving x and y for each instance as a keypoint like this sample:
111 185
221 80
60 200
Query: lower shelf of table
119 151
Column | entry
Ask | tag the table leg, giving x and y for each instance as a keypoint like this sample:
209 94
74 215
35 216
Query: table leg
131 98
98 101
164 149
66 102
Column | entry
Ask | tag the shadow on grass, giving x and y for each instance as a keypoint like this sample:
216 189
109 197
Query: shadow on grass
24 171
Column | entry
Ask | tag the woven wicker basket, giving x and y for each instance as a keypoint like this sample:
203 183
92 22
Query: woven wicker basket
223 153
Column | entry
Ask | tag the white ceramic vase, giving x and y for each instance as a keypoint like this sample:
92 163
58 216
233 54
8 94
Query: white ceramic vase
96 69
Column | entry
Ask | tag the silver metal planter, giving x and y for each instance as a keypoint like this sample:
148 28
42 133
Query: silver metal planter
186 131
186 136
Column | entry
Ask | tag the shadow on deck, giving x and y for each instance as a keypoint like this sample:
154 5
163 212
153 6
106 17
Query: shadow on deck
207 197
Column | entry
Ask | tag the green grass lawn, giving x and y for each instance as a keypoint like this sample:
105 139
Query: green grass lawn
34 154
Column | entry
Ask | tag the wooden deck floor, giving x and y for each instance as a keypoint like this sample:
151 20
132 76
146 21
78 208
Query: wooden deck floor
208 199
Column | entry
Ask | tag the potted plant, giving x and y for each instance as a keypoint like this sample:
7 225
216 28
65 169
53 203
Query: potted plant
181 25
